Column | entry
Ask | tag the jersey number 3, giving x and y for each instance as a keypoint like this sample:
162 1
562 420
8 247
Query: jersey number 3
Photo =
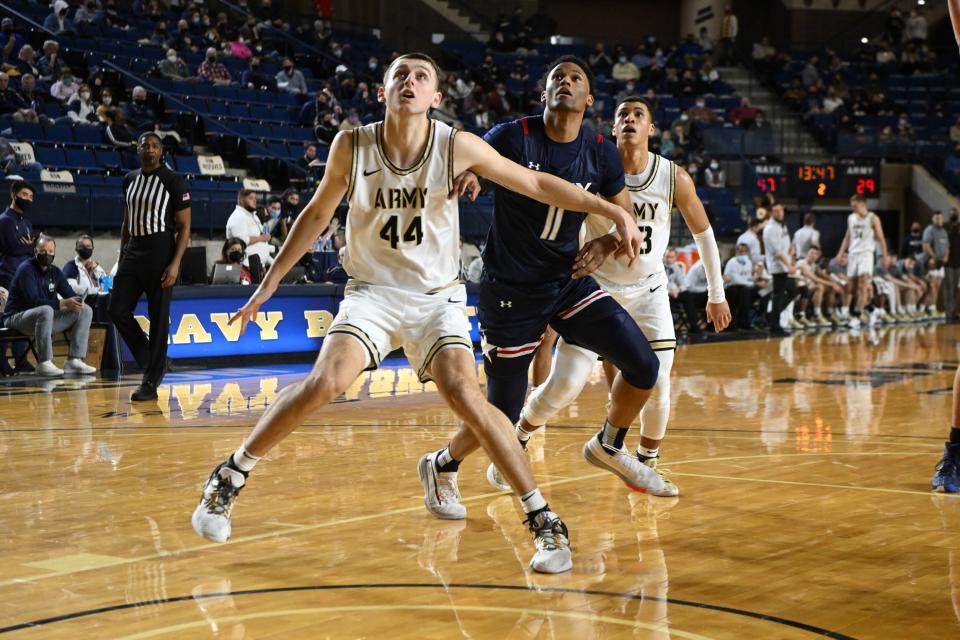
390 232
647 240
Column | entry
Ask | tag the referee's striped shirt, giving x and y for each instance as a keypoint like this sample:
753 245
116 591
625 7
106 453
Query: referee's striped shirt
152 199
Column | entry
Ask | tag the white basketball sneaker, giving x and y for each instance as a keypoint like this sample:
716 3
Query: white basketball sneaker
634 473
78 366
552 542
211 518
440 493
653 464
496 479
48 369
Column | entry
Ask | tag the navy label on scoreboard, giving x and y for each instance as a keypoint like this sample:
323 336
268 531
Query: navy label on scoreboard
829 180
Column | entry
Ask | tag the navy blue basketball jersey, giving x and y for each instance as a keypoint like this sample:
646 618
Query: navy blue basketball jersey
530 242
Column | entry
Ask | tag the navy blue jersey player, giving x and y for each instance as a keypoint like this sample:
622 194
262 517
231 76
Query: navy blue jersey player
532 264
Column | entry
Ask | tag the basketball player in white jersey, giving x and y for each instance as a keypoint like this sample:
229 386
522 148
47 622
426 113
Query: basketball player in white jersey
863 233
404 257
655 185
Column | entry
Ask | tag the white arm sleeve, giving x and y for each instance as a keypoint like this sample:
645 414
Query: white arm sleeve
710 256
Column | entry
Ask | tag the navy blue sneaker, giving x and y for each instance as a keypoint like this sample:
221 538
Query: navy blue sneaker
946 478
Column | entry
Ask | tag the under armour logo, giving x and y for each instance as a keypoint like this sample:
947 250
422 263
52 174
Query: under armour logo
534 165
506 303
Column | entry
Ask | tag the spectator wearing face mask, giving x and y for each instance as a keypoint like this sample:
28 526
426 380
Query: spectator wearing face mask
33 309
625 70
138 113
714 176
65 88
290 79
255 78
58 22
700 113
213 72
913 244
107 110
739 282
81 110
83 273
16 231
234 252
173 68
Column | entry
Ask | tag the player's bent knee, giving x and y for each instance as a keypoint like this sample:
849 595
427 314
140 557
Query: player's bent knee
318 390
643 371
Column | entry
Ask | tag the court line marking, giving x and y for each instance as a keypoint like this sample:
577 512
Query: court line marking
476 498
806 484
446 588
549 613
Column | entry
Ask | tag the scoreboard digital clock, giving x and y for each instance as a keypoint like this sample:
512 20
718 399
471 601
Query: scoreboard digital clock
834 180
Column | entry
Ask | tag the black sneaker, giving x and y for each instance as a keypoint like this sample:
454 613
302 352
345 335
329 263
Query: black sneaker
146 392
551 541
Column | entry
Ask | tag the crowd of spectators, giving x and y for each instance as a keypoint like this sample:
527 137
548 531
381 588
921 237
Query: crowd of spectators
853 97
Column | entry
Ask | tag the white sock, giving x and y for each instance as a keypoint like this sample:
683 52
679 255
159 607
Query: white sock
522 435
648 453
816 312
532 501
244 460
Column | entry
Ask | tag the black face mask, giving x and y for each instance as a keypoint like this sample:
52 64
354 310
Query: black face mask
288 69
23 204
85 252
45 259
8 30
235 256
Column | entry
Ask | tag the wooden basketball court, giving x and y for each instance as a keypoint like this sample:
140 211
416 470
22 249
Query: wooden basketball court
803 466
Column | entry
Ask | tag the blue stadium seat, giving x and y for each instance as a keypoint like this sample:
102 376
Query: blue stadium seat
50 157
89 135
187 164
238 110
28 131
81 159
59 133
108 159
218 108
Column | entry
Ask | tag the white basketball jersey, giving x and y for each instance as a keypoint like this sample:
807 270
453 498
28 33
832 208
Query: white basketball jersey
651 195
862 237
402 231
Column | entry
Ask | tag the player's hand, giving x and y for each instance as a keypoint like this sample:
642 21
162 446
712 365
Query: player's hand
465 183
593 254
249 311
170 274
719 314
630 239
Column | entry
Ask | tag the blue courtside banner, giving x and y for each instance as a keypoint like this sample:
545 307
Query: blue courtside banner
295 320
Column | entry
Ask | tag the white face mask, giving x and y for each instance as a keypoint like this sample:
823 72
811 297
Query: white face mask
172 57
714 166
684 117
85 95
107 100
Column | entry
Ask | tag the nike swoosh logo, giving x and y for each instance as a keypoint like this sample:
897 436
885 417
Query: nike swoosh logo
655 288
370 173
452 301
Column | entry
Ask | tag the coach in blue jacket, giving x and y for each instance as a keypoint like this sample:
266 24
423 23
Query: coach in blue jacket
35 310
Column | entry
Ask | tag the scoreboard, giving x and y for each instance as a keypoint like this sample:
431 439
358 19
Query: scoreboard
832 180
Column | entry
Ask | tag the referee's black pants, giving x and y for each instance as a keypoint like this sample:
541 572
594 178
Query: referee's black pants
140 271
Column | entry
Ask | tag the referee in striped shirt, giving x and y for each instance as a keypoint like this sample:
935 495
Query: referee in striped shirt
154 235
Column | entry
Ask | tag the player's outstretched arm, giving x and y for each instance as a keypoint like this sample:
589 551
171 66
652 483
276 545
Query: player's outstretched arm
955 18
718 311
476 155
309 225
